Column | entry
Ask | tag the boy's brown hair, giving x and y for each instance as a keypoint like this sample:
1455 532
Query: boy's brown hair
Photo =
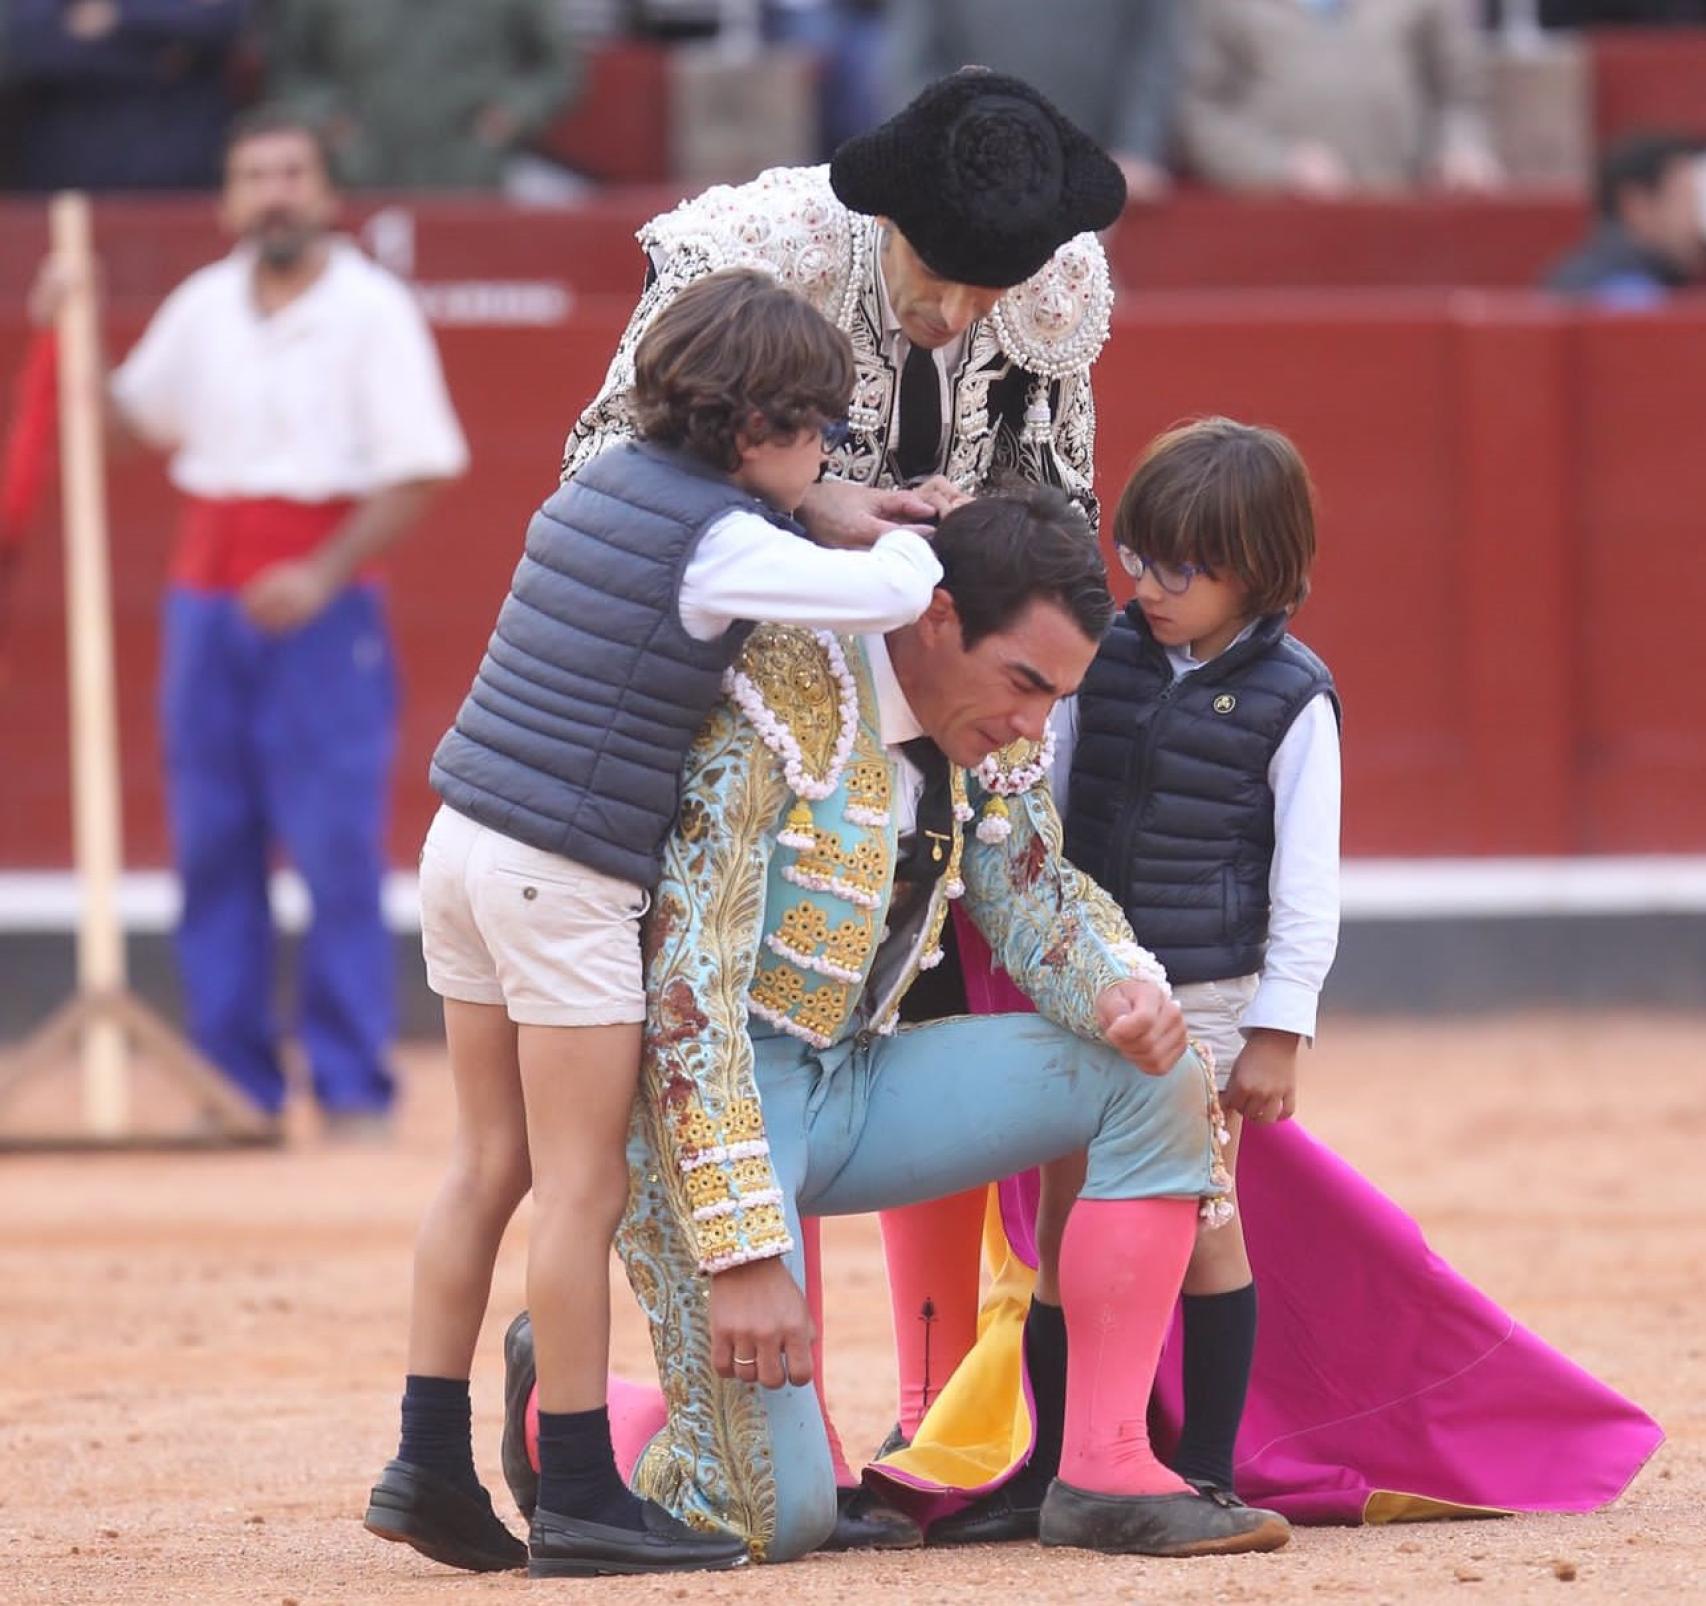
733 356
1234 499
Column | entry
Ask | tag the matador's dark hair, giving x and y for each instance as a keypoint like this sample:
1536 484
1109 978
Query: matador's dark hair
1001 553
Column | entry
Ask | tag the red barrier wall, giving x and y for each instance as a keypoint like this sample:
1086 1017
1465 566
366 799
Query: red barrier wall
1510 583
1648 78
1197 241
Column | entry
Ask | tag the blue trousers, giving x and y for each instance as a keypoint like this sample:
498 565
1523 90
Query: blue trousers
282 742
857 1127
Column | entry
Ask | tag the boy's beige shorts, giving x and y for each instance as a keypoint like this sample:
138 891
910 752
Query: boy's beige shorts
1214 1011
553 942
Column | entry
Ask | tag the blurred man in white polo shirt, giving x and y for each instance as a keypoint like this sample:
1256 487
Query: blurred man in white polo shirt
298 391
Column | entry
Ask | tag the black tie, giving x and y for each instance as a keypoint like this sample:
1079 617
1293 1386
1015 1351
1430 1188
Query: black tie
925 857
918 450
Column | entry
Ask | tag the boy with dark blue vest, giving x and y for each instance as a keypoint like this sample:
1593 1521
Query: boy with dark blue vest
641 579
1203 756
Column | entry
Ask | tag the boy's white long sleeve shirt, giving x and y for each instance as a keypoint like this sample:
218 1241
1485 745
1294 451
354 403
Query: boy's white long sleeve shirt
748 568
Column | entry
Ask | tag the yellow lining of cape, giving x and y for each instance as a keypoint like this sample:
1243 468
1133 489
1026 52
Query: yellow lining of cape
980 1425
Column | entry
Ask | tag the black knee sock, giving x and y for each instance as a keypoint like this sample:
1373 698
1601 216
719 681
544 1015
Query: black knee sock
1045 1364
1220 1340
577 1470
435 1432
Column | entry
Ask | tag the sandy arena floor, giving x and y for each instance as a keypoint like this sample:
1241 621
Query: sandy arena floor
201 1354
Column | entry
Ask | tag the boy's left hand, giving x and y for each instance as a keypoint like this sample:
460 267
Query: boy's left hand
1263 1085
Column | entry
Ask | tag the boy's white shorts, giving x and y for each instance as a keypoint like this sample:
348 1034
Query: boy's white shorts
553 942
1214 1011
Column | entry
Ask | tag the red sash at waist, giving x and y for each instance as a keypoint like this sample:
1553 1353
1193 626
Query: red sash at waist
224 544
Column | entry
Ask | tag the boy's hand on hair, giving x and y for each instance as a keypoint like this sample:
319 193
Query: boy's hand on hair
941 493
761 1327
838 513
1263 1085
1142 1025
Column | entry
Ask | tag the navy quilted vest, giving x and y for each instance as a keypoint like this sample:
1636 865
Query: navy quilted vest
1170 807
573 735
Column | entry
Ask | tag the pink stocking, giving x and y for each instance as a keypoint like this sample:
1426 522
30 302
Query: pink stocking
1121 1264
810 1240
637 1416
932 1254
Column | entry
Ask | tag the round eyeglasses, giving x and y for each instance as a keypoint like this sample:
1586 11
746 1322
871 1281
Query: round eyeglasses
1173 578
835 434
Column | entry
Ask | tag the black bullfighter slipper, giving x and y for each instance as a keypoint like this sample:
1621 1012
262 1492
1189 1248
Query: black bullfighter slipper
443 1521
999 1518
1157 1525
569 1547
1217 1492
519 1376
896 1440
865 1521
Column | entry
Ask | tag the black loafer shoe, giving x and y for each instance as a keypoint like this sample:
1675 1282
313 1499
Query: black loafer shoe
1157 1525
1000 1517
519 1377
865 1521
441 1520
567 1547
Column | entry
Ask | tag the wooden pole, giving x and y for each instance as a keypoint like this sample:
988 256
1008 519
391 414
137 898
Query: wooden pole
89 639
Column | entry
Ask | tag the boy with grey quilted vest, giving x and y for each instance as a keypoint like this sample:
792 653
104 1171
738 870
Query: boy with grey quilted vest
641 578
1203 756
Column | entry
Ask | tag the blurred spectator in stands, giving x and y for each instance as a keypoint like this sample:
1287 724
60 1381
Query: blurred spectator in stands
1628 13
847 38
120 94
1650 237
1110 65
423 94
1329 97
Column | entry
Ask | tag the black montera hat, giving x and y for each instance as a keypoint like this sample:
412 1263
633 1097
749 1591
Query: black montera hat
983 176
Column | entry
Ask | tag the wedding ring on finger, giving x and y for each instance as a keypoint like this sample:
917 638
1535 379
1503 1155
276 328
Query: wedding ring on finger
746 1360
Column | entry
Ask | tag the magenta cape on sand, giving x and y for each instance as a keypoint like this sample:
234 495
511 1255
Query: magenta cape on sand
1385 1386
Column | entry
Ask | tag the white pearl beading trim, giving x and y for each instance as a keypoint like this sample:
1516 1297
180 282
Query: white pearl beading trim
994 777
1056 322
1217 1212
993 828
717 1153
728 1207
813 882
815 962
786 1023
787 221
744 1257
858 814
774 731
1143 965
